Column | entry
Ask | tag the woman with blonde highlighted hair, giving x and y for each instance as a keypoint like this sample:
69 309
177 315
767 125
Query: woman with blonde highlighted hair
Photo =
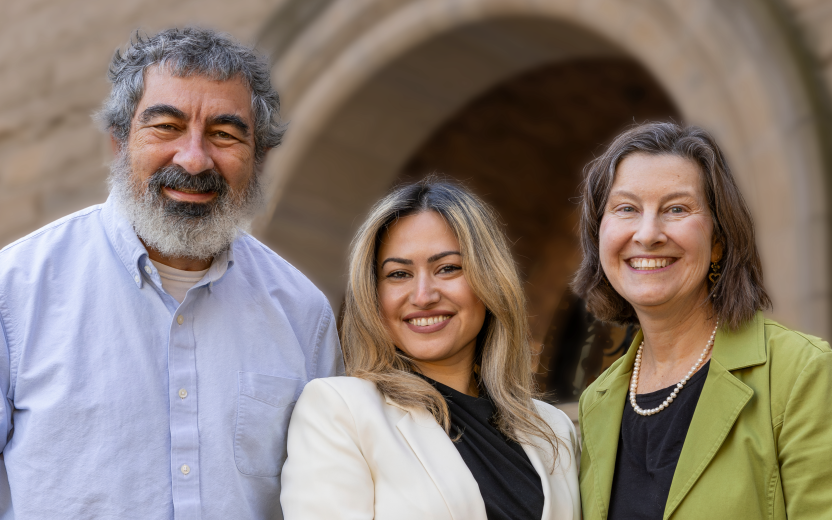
436 418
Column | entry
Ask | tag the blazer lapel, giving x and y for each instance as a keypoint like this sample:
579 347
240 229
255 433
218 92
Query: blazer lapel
442 461
602 425
557 499
723 398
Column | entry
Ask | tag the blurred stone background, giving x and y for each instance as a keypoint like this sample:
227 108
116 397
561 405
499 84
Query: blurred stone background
511 97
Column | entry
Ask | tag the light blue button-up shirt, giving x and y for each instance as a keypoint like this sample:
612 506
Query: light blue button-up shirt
119 402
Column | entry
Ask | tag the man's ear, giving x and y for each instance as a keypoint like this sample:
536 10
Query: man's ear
114 145
258 165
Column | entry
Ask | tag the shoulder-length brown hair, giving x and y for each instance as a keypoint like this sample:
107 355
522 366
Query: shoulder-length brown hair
739 292
503 345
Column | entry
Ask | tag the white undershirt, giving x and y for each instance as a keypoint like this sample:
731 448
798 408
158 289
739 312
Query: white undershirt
177 282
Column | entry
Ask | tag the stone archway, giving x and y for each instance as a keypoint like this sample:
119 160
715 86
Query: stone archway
384 75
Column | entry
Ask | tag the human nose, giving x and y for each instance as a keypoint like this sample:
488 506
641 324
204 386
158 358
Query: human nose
650 232
426 292
192 154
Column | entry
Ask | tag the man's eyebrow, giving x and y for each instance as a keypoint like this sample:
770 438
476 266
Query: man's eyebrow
443 254
404 261
230 119
160 110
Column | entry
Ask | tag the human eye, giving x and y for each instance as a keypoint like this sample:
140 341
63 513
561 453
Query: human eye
677 210
397 275
450 268
223 137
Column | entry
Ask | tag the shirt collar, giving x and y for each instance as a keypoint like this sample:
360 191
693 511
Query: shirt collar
221 264
133 254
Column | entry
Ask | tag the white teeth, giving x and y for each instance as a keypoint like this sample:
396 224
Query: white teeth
424 322
647 264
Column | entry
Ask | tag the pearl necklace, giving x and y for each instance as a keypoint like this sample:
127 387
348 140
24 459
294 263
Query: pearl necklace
672 396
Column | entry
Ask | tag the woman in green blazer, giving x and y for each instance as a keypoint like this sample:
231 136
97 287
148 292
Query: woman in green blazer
714 412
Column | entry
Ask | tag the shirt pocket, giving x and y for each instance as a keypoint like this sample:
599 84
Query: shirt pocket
264 406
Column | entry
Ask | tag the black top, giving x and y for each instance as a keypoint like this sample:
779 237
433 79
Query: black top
649 449
510 486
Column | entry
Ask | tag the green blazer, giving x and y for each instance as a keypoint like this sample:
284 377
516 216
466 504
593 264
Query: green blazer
760 441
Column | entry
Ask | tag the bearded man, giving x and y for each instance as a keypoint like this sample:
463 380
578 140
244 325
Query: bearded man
150 351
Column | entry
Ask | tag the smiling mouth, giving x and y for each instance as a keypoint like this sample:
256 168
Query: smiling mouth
650 264
188 195
190 192
186 190
426 322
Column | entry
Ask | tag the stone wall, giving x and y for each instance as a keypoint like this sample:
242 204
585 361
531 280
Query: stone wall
811 20
386 74
53 58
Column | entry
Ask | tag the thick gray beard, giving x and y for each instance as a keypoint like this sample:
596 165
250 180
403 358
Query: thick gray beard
177 236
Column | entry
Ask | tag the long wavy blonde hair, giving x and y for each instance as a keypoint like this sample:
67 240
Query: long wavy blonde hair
503 345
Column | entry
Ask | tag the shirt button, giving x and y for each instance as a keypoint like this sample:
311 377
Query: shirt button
136 278
180 319
183 393
185 469
148 270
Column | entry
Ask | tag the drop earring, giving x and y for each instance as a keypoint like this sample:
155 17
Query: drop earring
714 274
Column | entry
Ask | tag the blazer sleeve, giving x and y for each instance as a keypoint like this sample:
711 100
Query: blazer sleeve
325 476
805 440
571 467
585 477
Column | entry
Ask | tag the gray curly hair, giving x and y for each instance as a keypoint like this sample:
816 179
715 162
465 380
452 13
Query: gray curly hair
187 52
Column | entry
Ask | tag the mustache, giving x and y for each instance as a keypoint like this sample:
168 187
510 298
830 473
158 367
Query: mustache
184 229
177 178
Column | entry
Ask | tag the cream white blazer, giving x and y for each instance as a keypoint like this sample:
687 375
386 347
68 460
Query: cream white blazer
353 455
